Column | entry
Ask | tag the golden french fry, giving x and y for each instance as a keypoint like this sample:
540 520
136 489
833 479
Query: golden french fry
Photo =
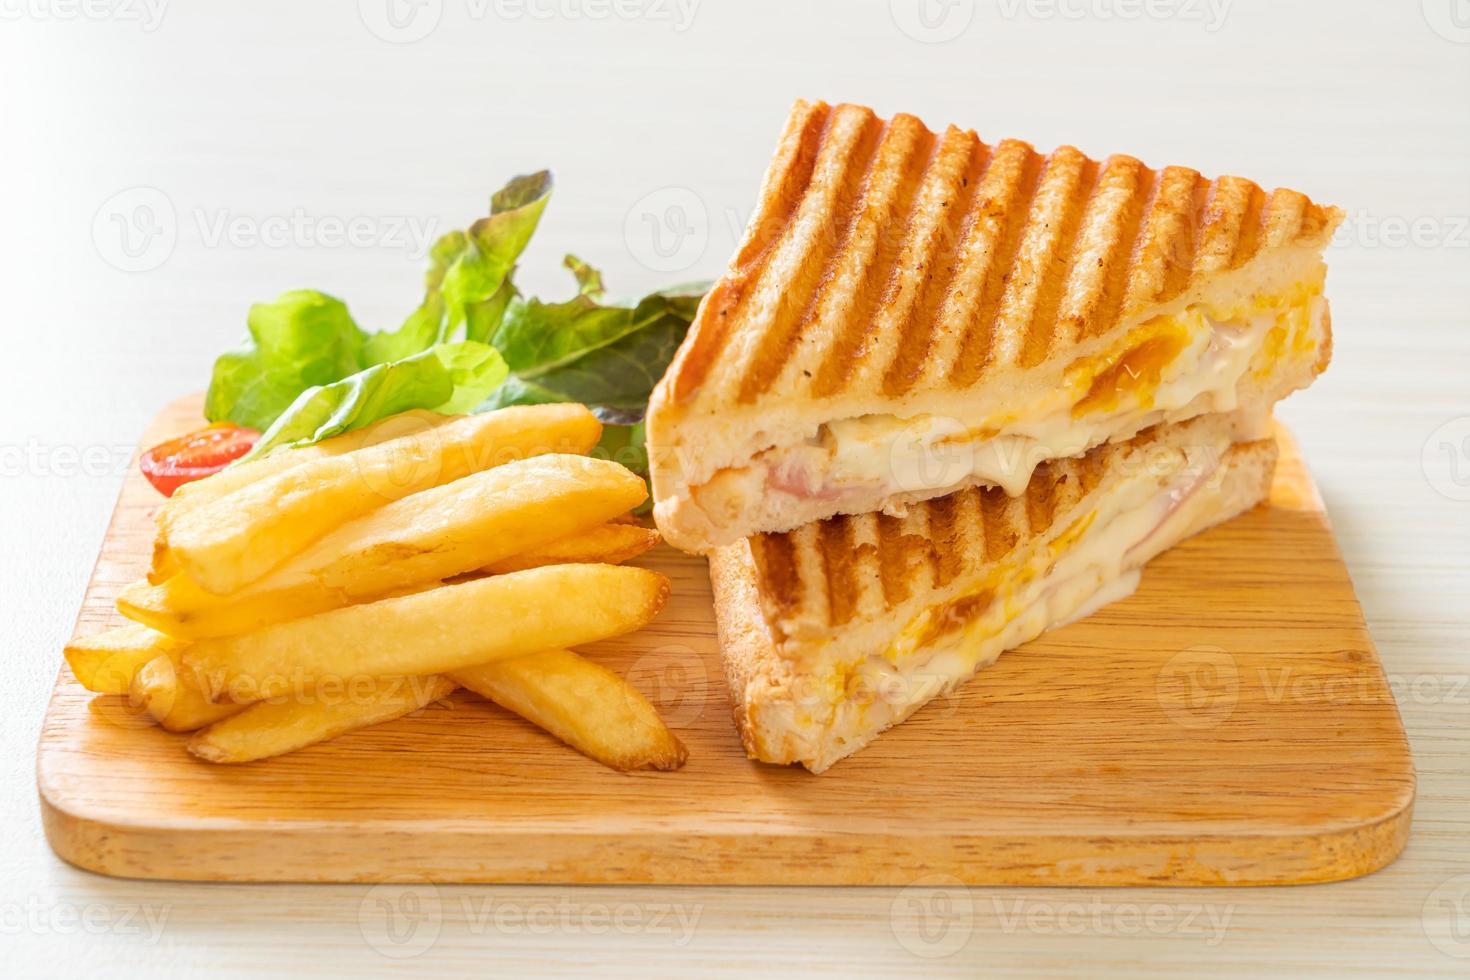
163 564
433 631
276 727
191 496
106 662
182 609
429 536
610 544
582 703
228 543
171 697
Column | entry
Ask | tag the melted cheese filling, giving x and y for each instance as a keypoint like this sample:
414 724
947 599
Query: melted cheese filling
1170 368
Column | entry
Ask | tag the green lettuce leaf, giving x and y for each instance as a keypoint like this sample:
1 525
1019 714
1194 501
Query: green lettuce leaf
467 287
301 340
619 375
448 378
607 356
307 340
309 372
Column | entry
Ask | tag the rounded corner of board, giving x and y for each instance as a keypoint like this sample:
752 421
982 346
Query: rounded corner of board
79 839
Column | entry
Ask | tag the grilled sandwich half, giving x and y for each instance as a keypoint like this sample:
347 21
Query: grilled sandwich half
833 632
912 313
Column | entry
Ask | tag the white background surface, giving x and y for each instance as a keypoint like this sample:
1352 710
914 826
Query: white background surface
245 112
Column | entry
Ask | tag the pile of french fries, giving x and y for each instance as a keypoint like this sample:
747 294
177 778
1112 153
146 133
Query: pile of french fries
324 589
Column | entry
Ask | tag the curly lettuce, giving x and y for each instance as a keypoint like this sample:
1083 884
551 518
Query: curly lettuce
308 371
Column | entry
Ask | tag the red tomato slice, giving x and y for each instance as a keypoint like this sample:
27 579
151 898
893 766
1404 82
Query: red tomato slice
172 464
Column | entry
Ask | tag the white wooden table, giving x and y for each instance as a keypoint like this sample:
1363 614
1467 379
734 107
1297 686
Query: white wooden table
237 144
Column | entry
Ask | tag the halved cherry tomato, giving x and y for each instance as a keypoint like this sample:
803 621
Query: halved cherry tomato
172 464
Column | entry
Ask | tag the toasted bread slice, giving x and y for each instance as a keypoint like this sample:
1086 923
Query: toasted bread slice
911 313
840 629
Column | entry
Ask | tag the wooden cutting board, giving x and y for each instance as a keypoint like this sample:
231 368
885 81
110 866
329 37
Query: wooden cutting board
1228 724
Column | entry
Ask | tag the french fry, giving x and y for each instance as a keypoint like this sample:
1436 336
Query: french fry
429 536
171 697
191 496
106 662
163 564
582 703
609 544
433 631
230 542
274 728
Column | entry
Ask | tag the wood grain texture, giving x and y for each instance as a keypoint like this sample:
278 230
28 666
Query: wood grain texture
1229 724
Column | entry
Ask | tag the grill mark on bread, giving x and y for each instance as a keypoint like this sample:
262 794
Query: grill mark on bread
1131 187
999 513
1048 484
790 176
896 557
1179 219
944 541
908 359
835 540
774 556
1249 235
961 160
785 185
1166 256
1016 168
879 275
1169 228
1075 179
849 159
1288 208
